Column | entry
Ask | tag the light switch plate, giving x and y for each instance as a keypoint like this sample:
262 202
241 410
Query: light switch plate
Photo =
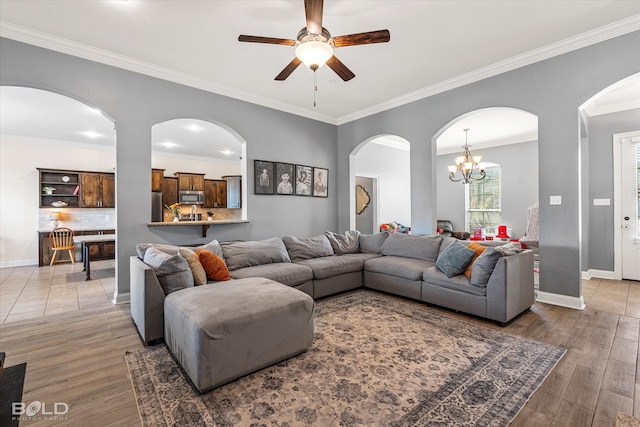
601 202
555 200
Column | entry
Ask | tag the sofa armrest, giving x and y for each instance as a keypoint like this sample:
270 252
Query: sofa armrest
510 289
147 301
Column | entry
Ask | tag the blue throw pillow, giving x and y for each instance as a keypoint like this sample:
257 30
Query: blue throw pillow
453 260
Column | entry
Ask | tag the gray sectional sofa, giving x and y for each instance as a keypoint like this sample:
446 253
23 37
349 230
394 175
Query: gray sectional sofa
500 287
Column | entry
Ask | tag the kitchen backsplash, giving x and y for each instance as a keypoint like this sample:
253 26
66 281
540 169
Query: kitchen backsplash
79 219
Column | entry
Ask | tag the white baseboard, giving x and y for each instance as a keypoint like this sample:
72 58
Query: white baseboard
600 274
19 263
561 300
121 298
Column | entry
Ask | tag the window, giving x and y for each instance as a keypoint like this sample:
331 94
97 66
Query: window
483 206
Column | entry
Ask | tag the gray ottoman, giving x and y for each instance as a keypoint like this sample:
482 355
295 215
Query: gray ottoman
222 331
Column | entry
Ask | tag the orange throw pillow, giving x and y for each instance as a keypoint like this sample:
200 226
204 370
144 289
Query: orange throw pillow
479 249
214 266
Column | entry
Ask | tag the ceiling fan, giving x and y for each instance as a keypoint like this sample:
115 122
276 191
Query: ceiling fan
315 43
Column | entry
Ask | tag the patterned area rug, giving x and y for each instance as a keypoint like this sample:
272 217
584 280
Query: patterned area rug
376 360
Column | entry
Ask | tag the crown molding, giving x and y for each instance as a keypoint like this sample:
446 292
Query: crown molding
570 44
59 44
81 50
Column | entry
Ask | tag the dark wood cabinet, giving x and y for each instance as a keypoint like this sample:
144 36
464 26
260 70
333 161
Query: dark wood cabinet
106 250
190 181
215 193
157 175
169 191
65 185
97 190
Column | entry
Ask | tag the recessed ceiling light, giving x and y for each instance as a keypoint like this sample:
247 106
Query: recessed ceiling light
168 144
194 127
91 134
227 152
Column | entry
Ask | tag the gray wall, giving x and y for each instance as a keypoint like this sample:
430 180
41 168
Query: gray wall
600 131
519 168
553 90
136 102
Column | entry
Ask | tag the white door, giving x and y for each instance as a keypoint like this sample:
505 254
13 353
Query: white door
630 204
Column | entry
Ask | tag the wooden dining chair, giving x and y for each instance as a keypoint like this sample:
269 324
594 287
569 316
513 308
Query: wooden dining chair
62 240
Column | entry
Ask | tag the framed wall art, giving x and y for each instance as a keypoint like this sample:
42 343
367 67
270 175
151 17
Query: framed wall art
284 177
264 177
304 180
320 182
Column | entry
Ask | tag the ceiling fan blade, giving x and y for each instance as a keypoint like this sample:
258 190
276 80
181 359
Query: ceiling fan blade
288 69
341 70
268 40
380 36
313 12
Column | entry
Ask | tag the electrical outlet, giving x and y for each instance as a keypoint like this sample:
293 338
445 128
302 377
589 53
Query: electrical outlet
555 200
601 202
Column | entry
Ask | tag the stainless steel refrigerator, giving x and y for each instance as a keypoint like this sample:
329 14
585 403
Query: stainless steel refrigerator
156 207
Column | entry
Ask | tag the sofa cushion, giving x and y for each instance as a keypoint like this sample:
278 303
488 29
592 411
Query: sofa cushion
371 243
460 282
409 246
254 252
347 243
361 256
312 247
407 268
479 249
446 241
510 248
214 266
333 265
199 275
141 248
483 267
213 246
453 260
173 271
284 272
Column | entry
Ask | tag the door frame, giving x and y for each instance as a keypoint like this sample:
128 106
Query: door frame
617 202
376 208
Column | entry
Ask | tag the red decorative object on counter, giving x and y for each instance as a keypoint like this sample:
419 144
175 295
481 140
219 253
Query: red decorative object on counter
502 232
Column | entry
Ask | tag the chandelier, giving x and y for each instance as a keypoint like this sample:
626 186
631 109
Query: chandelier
468 165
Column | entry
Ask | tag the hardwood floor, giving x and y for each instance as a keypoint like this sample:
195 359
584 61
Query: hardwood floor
73 340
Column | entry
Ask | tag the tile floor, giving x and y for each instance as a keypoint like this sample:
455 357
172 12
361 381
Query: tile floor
31 291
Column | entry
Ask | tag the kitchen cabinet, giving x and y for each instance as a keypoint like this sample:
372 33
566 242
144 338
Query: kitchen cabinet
215 193
65 184
169 191
190 181
157 175
234 191
97 190
106 250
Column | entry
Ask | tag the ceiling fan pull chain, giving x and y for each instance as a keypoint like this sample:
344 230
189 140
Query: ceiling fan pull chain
315 87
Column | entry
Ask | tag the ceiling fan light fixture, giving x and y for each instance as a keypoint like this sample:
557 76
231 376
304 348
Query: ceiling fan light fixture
314 54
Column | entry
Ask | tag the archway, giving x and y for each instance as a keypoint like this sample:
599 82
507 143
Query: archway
607 118
506 137
204 148
384 160
44 129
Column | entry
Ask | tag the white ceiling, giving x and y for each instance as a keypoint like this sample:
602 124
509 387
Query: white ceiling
435 46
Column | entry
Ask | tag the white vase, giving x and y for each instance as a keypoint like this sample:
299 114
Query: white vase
176 219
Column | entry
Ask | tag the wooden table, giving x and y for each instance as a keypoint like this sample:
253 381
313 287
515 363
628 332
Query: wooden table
87 241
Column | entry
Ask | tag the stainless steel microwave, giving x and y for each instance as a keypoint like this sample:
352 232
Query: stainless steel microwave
191 197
